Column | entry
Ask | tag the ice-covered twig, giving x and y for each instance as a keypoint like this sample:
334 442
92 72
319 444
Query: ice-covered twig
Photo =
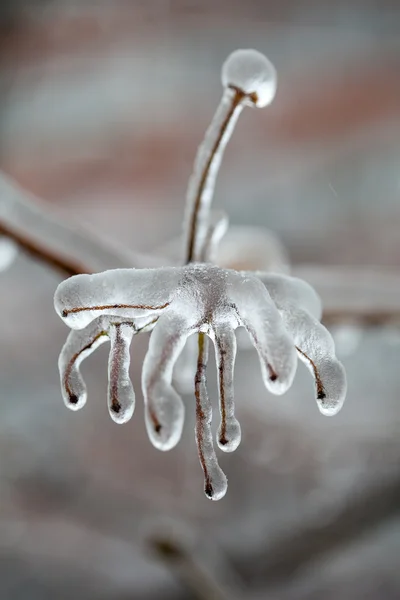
196 298
55 240
82 343
363 296
215 482
297 303
281 314
249 79
217 228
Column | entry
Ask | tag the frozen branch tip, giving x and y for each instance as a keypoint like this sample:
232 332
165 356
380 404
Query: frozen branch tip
281 314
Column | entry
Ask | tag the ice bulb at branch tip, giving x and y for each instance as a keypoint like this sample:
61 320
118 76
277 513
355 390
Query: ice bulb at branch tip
216 486
230 436
250 72
333 375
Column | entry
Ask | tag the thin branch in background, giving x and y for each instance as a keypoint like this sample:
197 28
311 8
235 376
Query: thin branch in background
187 569
362 318
54 239
64 265
358 515
359 295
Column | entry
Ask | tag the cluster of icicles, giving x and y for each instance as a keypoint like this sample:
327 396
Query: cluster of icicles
281 314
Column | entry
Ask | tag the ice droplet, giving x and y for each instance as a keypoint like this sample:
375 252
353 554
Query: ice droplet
251 72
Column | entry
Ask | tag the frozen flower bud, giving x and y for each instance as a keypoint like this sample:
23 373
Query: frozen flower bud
252 73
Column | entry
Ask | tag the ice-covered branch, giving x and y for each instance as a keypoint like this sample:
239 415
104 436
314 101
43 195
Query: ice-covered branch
249 79
363 296
276 310
47 235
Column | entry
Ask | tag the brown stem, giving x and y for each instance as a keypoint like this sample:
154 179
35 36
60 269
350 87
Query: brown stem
221 373
318 381
194 217
362 318
185 566
79 309
72 397
198 382
115 404
60 263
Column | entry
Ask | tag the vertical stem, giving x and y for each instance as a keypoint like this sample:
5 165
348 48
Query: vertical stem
208 160
200 389
215 482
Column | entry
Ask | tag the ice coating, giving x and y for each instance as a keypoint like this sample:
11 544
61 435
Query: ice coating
300 308
229 434
82 343
215 482
217 228
79 345
252 73
119 292
260 317
249 79
164 407
316 349
185 367
276 310
206 299
285 290
202 181
186 306
121 396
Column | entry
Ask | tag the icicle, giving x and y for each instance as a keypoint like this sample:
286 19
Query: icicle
229 433
215 482
79 345
316 349
259 315
121 396
164 407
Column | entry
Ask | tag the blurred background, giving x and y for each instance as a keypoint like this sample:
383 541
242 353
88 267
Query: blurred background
102 106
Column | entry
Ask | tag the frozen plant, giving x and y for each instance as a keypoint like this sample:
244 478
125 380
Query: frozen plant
280 313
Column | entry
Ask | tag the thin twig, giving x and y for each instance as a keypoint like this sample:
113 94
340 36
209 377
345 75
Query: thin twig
362 318
204 175
62 264
361 513
184 565
54 239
